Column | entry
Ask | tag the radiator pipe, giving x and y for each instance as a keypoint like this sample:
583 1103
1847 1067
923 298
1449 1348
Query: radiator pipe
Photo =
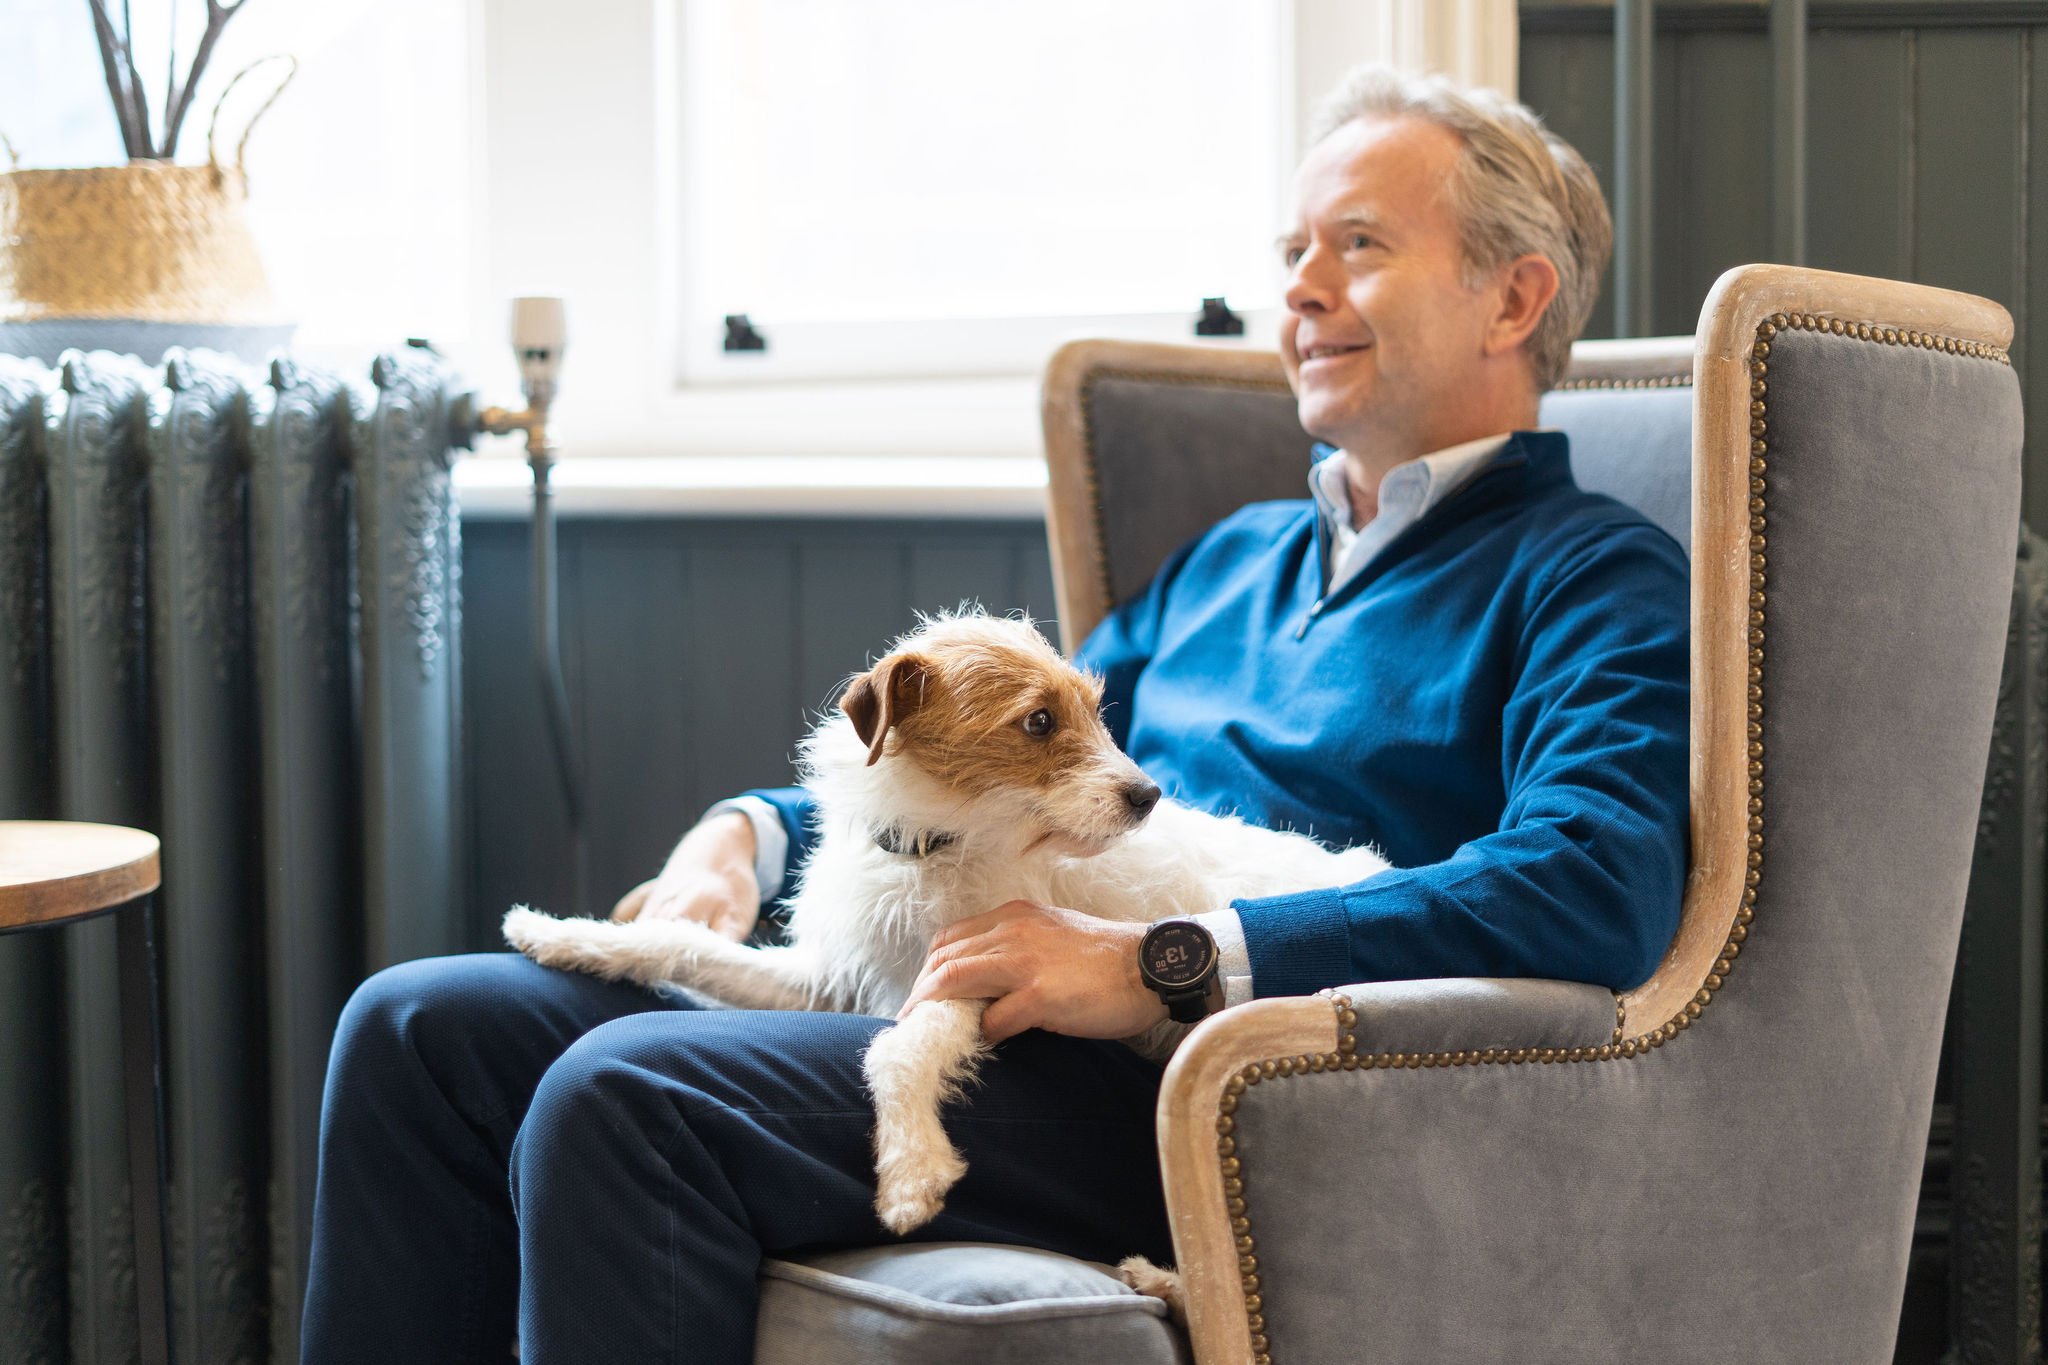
539 335
547 643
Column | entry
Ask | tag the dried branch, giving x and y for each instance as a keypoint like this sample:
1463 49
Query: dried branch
112 53
137 100
170 79
217 16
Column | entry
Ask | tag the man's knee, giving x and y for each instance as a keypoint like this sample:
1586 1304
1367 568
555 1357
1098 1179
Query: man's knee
648 1077
408 1006
603 1098
444 1021
623 1067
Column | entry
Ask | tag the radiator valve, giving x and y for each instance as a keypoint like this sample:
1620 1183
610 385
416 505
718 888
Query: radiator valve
540 333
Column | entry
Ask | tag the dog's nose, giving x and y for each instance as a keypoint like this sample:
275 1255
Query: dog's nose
1141 797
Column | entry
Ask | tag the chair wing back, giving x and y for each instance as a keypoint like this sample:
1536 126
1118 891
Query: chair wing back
1149 445
1627 407
1146 447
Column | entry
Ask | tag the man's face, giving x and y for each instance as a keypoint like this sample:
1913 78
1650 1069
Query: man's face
1382 340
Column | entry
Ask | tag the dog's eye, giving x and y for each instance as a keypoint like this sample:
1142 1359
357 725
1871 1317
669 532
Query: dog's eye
1038 724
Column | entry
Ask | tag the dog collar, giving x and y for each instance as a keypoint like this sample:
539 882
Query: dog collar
921 844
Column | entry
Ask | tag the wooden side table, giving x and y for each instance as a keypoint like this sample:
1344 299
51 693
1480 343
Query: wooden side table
55 872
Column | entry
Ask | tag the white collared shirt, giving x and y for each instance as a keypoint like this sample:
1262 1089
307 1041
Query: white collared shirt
1407 493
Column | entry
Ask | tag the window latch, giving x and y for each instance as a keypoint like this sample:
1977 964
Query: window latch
1218 321
741 336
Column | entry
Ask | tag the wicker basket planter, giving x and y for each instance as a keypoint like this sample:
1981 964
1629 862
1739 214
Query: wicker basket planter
137 258
131 258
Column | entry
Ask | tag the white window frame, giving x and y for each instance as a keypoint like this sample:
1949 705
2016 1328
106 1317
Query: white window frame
879 348
575 193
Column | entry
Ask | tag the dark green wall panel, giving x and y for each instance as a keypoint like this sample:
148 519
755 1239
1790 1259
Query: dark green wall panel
851 598
1927 152
740 690
632 658
514 808
1569 79
2033 358
1968 174
1859 165
1718 207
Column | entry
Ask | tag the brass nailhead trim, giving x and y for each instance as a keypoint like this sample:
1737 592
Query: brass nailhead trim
1651 381
1347 1057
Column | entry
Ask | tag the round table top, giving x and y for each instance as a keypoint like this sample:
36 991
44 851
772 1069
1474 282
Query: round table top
55 870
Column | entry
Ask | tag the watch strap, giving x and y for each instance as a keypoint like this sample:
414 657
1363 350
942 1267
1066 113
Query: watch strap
1196 1003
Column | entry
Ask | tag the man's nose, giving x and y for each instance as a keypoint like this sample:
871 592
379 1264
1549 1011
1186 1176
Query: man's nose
1310 288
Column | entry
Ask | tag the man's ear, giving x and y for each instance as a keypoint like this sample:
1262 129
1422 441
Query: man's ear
1527 285
881 698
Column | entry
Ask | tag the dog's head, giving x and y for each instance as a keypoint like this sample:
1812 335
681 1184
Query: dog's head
989 710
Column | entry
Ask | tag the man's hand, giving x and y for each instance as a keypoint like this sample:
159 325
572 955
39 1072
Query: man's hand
1042 967
709 878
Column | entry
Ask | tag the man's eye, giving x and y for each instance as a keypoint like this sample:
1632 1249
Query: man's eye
1038 724
1358 241
1291 256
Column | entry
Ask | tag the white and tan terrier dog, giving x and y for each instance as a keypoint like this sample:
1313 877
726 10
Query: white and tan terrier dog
970 767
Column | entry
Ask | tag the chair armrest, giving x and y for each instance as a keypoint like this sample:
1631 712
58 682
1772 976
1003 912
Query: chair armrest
1467 1013
1376 1024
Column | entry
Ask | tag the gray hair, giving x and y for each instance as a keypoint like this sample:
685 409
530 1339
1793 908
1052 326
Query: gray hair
1518 190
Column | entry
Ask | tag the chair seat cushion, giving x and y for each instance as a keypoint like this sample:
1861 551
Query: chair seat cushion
956 1301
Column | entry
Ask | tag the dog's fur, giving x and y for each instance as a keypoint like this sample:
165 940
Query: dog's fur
935 753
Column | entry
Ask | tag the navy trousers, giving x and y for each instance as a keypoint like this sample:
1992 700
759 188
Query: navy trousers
510 1150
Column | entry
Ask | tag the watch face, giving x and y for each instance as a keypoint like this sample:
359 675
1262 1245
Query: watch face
1176 954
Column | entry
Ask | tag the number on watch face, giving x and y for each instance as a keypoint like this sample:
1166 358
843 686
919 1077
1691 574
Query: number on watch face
1177 954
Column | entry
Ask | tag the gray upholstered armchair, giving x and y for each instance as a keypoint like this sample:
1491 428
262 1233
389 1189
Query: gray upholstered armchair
1720 1164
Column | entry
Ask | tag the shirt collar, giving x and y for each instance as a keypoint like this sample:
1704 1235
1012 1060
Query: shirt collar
1415 485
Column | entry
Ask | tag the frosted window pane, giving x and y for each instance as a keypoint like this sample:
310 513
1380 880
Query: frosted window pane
358 181
55 103
932 158
358 187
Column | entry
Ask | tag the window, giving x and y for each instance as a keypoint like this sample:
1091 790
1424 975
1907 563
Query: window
904 187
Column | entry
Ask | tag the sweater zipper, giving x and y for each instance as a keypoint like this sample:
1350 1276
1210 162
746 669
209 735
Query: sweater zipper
1510 457
1315 610
1322 535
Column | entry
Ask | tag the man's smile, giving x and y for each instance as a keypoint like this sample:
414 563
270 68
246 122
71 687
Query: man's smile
1328 351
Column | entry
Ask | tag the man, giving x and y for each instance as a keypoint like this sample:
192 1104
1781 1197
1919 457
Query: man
1451 652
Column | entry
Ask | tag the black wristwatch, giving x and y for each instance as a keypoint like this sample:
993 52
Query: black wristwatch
1177 959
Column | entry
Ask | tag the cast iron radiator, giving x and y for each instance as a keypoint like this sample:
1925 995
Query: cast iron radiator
229 613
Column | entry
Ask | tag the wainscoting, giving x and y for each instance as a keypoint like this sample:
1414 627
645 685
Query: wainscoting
695 651
1927 150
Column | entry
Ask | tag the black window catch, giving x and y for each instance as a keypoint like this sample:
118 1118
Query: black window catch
741 336
1218 321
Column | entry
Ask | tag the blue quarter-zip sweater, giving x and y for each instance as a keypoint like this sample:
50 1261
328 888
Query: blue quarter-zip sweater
1498 702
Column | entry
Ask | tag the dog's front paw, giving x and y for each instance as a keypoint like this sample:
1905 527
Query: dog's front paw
909 1192
1156 1283
529 930
570 945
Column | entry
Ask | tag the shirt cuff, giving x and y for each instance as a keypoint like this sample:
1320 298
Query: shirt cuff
771 841
1233 959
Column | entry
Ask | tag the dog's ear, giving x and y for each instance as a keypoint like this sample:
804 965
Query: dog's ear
876 700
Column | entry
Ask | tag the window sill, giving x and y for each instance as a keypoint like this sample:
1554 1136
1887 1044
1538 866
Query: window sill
500 486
